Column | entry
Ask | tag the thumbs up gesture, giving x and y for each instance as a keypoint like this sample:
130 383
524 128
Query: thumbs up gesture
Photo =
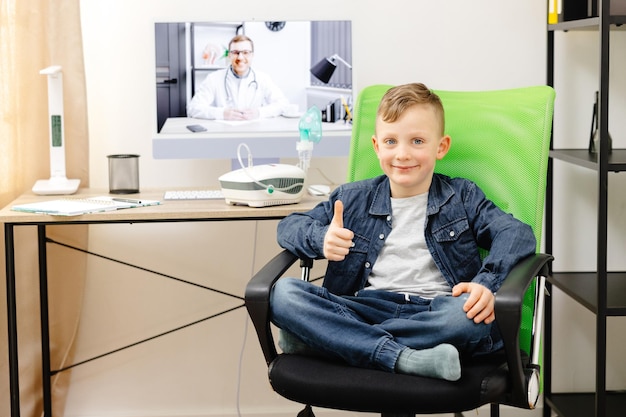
338 240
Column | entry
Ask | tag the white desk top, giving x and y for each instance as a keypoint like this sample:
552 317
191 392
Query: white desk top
273 125
267 138
168 210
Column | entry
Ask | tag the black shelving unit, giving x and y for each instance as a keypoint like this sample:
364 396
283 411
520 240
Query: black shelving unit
601 291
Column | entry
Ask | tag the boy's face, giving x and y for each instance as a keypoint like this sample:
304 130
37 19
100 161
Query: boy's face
408 149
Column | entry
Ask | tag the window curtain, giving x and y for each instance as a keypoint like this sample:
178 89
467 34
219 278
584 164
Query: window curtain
35 34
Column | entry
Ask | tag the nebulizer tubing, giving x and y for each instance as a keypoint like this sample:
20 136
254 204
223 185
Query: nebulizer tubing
269 187
310 127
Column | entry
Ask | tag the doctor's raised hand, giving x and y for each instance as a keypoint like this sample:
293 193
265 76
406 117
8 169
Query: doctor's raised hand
238 92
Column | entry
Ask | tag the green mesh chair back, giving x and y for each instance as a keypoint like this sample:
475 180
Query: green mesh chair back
500 140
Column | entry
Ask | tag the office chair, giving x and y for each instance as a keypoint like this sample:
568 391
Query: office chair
500 140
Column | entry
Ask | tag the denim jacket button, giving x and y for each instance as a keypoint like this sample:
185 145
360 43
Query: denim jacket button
451 233
367 264
381 236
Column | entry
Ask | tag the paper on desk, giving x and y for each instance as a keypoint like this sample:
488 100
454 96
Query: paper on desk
235 122
78 206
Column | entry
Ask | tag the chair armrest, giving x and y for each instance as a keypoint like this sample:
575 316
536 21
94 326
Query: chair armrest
257 299
508 308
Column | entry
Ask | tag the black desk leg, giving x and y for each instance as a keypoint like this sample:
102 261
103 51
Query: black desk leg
14 368
45 326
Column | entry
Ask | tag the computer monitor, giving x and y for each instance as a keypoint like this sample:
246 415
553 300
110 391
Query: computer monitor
186 52
119 48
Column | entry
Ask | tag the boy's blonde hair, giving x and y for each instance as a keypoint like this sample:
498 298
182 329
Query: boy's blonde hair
398 99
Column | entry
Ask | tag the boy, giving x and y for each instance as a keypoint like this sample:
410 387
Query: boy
405 289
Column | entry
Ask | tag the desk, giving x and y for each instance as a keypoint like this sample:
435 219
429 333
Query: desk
267 138
168 211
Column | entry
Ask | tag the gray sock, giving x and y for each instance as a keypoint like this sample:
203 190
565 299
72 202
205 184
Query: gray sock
441 362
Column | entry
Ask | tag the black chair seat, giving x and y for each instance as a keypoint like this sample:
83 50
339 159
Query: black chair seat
328 384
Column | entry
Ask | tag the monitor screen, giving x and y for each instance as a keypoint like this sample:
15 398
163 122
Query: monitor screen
188 54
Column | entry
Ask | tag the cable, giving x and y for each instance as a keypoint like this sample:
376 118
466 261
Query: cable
245 326
328 180
243 345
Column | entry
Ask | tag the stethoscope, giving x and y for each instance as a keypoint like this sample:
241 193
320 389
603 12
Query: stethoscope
229 94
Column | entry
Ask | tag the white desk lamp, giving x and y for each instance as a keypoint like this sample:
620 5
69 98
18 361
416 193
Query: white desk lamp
58 182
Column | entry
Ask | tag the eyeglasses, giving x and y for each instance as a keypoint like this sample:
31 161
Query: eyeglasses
245 53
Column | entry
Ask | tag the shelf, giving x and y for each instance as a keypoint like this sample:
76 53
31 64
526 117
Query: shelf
590 23
582 404
236 24
583 287
203 67
581 157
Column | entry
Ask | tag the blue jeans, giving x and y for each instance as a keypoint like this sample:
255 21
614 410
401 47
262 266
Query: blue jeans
371 328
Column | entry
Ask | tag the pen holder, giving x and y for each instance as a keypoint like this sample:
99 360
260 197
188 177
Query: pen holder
123 173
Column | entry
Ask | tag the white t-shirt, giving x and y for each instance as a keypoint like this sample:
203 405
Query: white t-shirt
405 264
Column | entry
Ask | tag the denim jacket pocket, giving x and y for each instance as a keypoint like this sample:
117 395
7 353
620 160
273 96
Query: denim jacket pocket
344 277
457 242
361 244
452 231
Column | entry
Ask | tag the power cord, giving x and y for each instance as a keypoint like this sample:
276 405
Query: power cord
328 180
245 326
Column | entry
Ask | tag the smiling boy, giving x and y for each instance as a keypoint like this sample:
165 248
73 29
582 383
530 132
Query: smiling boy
406 289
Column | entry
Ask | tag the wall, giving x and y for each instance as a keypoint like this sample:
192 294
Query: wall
216 368
277 55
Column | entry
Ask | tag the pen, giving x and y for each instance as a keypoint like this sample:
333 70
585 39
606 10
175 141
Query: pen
127 200
345 106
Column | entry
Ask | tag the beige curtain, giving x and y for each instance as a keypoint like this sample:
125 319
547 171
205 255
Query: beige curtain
35 34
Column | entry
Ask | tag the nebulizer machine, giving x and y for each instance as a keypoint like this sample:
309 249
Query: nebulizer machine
274 184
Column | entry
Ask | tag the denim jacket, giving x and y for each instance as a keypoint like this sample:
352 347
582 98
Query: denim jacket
460 220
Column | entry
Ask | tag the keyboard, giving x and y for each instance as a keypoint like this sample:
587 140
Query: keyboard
193 195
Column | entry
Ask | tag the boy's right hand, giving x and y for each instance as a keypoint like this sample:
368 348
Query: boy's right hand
338 240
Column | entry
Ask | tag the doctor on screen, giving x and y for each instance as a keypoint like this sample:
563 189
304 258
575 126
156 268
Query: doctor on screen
238 92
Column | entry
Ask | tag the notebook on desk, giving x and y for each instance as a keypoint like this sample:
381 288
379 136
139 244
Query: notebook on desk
78 206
